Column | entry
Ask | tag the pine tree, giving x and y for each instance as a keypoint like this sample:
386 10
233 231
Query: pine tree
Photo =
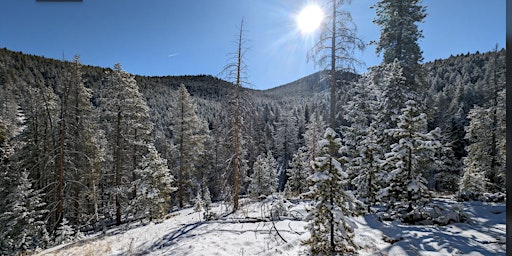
285 139
314 132
299 170
38 143
198 202
408 159
153 186
189 133
22 224
331 229
263 181
64 232
362 136
400 34
126 116
79 151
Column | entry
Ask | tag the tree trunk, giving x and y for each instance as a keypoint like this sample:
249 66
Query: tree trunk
180 173
60 185
117 168
237 121
332 114
331 214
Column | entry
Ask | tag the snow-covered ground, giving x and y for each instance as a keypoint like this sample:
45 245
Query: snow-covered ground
251 232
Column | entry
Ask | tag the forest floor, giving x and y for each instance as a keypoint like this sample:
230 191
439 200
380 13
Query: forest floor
251 231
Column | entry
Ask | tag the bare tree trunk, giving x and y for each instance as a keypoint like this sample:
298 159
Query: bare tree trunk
237 120
332 114
117 168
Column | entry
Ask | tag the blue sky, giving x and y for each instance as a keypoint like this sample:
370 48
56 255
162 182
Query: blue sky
190 37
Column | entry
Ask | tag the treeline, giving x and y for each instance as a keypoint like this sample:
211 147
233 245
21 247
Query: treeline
83 148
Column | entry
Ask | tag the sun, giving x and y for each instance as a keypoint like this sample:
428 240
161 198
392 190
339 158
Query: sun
310 18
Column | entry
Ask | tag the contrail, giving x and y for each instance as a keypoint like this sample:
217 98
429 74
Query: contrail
172 55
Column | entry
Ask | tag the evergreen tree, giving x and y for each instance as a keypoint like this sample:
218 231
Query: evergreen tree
153 186
285 140
299 170
126 116
409 158
80 151
189 133
399 35
198 204
362 138
207 199
263 181
313 134
485 157
332 232
22 225
64 232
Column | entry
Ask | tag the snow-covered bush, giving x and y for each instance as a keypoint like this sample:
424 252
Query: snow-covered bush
436 214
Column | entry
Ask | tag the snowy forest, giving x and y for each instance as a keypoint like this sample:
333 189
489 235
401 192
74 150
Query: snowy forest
86 148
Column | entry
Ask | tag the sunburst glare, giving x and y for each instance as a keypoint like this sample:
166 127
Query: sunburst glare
310 18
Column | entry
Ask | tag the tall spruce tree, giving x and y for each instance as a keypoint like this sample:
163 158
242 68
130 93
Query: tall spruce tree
332 231
79 151
399 35
189 133
126 116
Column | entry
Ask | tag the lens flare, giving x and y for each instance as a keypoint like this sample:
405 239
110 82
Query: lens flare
310 18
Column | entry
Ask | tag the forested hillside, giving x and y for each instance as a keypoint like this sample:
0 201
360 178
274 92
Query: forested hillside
83 148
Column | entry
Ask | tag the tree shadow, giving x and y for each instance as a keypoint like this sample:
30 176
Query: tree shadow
167 240
476 236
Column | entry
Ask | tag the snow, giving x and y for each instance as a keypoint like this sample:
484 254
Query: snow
250 231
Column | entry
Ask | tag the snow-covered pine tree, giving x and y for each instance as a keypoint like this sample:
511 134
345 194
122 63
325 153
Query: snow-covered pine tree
447 175
314 132
478 162
369 174
38 140
409 157
153 186
263 181
189 133
22 224
128 131
361 137
80 151
285 139
486 135
64 232
299 171
332 231
198 202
